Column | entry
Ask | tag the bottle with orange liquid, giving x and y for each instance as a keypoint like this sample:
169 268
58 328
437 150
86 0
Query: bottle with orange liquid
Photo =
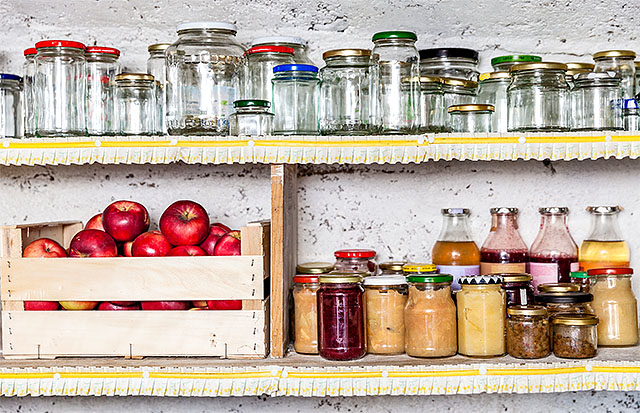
604 247
455 252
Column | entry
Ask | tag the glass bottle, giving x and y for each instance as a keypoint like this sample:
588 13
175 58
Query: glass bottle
260 61
604 247
455 252
554 253
157 67
504 250
11 117
385 298
295 99
28 105
136 108
504 63
299 46
102 67
452 62
251 118
470 118
492 90
620 62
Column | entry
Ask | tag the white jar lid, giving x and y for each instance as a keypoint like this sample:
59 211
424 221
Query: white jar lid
207 25
278 39
382 280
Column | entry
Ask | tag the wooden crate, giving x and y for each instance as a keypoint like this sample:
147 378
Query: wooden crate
48 334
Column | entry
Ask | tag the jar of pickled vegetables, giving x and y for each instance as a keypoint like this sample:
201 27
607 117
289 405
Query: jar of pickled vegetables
356 260
528 332
582 280
572 302
517 288
392 268
385 297
575 336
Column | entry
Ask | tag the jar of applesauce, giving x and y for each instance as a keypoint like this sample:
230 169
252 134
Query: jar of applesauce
385 297
481 316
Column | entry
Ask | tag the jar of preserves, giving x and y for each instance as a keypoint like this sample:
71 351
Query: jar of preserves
251 118
481 316
157 67
538 98
349 93
574 69
259 70
582 280
433 115
596 102
492 90
305 309
60 88
452 62
11 119
28 104
341 334
575 336
203 78
430 317
385 298
295 99
504 250
620 62
102 67
504 63
470 118
136 108
615 305
299 46
459 91
528 332
604 247
518 289
630 115
560 288
356 260
573 302
392 268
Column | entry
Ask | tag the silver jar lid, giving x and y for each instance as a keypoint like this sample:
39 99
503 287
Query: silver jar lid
455 212
504 210
553 210
604 210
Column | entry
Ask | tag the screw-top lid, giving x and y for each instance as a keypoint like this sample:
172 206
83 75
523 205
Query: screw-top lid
580 66
575 320
270 49
251 103
449 81
340 278
453 52
314 268
452 212
346 53
355 253
295 68
604 272
102 50
515 278
475 107
398 34
614 53
30 51
504 210
430 279
158 47
526 310
538 66
59 43
134 76
604 210
578 274
278 40
384 280
392 266
558 287
553 210
494 75
572 297
515 58
419 268
480 280
207 26
305 279
9 76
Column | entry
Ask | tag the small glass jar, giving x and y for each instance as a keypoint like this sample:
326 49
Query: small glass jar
452 62
504 63
620 62
630 115
28 104
102 67
518 289
538 98
596 102
574 69
251 118
492 90
361 261
295 99
305 309
458 91
349 93
582 280
136 103
11 99
470 118
433 113
157 67
481 316
260 61
392 268
575 336
528 332
299 46
60 87
574 302
559 288
341 323
385 297
615 305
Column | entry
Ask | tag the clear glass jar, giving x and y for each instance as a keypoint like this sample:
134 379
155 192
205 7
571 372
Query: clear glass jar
504 250
518 289
620 62
615 305
582 280
251 118
385 297
470 118
341 325
392 268
398 59
459 91
630 116
596 102
305 309
136 103
430 317
481 316
157 67
299 46
102 67
574 69
528 332
11 118
575 336
349 93
604 247
60 88
504 63
260 61
538 98
28 104
492 90
295 99
452 62
361 261
203 78
573 302
433 113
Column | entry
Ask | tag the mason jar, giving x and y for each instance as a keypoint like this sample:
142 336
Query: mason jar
398 59
620 62
299 46
157 67
504 63
102 67
251 118
203 68
136 103
538 98
453 62
492 90
630 115
596 102
60 88
295 99
259 69
433 113
28 104
472 118
349 86
459 91
574 69
11 100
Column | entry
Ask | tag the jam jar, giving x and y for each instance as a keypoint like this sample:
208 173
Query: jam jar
385 297
356 260
582 280
575 336
392 268
518 289
528 332
573 302
341 317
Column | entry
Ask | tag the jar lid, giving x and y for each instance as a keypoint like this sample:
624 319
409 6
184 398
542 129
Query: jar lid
30 51
382 280
580 66
398 34
419 268
480 279
355 253
504 210
278 40
295 68
526 310
430 279
553 210
538 66
578 274
156 47
251 103
421 79
572 297
630 104
305 279
59 43
346 52
558 287
207 26
450 81
614 53
515 58
340 278
471 108
134 76
270 49
453 212
102 50
604 210
636 64
453 52
9 76
392 266
515 278
604 272
575 320
314 268
494 75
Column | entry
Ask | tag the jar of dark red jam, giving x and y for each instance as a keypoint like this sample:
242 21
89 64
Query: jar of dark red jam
341 317
356 260
518 289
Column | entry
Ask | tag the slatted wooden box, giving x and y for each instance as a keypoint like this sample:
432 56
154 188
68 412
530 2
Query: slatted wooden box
48 334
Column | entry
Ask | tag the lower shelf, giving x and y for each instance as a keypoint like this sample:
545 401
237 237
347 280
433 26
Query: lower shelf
308 376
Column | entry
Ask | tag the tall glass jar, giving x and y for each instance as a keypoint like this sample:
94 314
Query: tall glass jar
295 100
459 91
251 118
433 113
305 310
349 93
341 326
604 247
528 332
596 102
361 261
574 69
60 88
385 298
492 90
504 250
157 67
538 98
620 62
28 104
260 63
470 118
11 104
397 60
136 108
630 115
203 69
504 63
518 289
102 67
452 62
299 46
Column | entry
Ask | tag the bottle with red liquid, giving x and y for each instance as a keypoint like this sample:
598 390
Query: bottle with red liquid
554 253
504 250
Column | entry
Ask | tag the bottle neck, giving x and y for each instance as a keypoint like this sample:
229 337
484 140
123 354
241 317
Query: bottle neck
504 222
455 228
604 227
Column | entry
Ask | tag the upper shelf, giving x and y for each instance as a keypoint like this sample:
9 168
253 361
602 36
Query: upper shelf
319 149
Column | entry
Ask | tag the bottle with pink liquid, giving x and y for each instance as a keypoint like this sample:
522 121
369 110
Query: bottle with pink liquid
504 250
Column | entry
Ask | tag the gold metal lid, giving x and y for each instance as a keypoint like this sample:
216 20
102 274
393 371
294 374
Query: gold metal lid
134 76
558 288
637 64
346 53
314 268
538 66
614 53
527 310
575 320
580 66
336 277
421 79
449 81
392 266
494 75
471 108
158 47
515 277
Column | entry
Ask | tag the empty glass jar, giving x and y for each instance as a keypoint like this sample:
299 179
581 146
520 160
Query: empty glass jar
298 45
433 113
574 69
492 90
102 67
620 62
251 118
28 105
504 63
157 67
473 118
458 91
453 62
136 103
295 99
260 63
11 106
596 102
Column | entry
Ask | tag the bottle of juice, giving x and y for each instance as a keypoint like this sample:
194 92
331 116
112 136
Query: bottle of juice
604 247
504 250
554 253
455 252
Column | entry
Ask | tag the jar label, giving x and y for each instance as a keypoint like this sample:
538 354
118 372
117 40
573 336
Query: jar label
497 268
458 271
543 273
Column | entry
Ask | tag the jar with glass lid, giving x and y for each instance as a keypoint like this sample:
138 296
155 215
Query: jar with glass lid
518 289
385 297
356 260
349 93
433 113
11 119
157 67
102 67
299 46
596 102
260 61
572 302
630 115
452 62
604 247
504 63
574 69
528 332
28 108
622 63
203 78
470 118
538 98
392 268
295 99
430 316
459 91
492 90
136 103
251 118
575 336
615 305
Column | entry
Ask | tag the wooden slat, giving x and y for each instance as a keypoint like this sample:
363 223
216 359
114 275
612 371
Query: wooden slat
256 240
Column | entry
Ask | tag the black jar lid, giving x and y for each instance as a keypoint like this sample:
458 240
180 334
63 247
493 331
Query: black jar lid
573 297
448 52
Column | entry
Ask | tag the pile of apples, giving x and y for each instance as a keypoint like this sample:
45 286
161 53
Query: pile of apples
122 230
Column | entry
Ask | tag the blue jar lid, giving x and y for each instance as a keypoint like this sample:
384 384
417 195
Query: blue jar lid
295 68
630 104
9 76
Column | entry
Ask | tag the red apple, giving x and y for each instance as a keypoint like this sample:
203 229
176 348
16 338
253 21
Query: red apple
190 250
126 248
224 304
41 305
125 220
79 305
150 244
124 303
165 305
228 244
199 304
95 223
216 231
92 243
44 248
185 223
107 306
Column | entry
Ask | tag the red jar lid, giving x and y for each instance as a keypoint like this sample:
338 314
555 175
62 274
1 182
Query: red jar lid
30 51
270 49
59 43
355 253
101 49
305 279
610 271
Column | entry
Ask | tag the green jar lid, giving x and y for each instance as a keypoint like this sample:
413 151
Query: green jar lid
435 278
515 58
395 35
251 102
579 274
